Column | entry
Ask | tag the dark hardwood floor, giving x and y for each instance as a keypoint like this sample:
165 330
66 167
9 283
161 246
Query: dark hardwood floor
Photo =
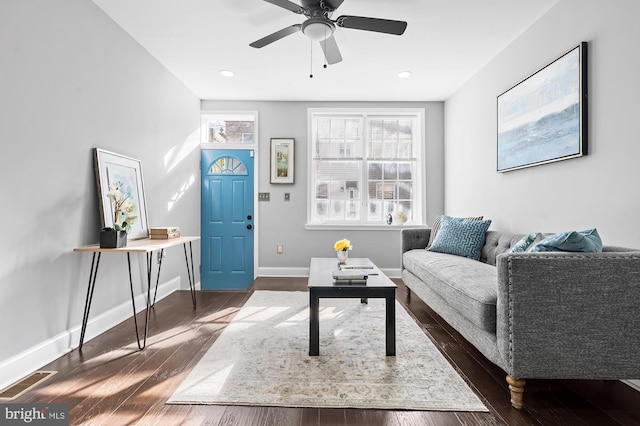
112 382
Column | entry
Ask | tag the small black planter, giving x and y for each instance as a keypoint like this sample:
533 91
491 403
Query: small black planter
110 238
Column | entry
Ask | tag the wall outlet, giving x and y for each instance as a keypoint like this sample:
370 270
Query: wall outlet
264 196
280 249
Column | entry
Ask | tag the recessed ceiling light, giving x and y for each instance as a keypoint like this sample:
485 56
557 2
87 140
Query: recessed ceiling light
404 74
226 73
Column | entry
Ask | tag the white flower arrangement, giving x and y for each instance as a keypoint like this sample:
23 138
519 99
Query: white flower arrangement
124 208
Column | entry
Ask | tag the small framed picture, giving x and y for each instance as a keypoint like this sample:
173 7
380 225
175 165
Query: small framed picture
126 173
282 160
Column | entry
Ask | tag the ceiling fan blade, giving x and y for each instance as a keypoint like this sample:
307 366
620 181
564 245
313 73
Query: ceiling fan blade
331 51
286 4
333 4
372 24
276 36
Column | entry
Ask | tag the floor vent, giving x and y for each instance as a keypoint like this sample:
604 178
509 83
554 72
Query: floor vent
25 385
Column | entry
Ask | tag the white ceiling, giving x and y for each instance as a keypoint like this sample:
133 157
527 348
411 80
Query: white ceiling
445 44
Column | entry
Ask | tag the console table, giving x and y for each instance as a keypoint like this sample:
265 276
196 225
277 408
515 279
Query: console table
147 246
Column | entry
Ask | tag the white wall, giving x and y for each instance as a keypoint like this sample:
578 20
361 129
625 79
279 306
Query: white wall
282 222
72 80
599 190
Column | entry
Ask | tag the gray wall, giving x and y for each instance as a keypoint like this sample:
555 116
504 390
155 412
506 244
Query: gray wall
72 80
283 222
599 190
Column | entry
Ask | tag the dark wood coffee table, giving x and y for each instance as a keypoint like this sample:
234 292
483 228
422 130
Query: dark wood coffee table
321 285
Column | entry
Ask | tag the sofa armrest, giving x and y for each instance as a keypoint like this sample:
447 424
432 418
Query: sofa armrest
569 315
414 238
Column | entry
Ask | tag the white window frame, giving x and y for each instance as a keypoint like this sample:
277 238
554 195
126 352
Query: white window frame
419 187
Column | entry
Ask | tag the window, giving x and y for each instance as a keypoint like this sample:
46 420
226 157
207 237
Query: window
365 166
227 128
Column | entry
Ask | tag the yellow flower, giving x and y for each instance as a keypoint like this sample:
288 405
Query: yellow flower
342 245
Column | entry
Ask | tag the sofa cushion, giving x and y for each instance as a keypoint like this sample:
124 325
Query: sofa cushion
470 287
582 241
462 237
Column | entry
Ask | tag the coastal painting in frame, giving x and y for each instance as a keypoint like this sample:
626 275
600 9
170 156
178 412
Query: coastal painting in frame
126 172
543 118
282 160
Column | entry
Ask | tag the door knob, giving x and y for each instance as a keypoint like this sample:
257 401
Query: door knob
249 227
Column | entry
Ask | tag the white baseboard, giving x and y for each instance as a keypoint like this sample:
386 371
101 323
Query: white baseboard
304 272
283 272
30 360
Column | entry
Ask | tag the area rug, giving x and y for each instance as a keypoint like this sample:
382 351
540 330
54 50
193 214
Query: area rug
261 358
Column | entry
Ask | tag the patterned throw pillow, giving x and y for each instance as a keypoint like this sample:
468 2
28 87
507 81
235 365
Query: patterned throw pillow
581 241
462 237
527 242
436 227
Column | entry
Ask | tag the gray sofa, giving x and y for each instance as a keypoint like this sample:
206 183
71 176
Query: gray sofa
553 315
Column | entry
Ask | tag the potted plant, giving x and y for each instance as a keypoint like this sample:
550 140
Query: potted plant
341 248
124 214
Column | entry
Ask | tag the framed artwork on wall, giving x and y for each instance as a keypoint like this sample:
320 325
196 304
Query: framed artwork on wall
126 173
282 160
543 118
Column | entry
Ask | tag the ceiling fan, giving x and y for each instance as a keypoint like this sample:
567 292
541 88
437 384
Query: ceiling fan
320 27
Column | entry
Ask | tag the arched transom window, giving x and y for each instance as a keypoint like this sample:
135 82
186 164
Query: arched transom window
227 166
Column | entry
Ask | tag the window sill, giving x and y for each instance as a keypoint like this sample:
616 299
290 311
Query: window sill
359 227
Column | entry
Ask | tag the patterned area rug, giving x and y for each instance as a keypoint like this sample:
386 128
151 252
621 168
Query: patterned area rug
261 358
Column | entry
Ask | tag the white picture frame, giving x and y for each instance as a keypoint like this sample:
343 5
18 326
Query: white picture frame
111 167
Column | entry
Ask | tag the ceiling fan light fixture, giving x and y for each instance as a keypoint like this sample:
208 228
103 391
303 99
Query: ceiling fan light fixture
318 29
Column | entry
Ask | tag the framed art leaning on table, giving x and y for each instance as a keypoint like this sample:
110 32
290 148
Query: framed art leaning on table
125 172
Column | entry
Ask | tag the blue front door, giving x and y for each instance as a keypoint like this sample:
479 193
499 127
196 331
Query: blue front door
227 219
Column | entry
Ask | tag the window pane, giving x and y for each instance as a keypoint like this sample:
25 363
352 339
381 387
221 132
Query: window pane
375 210
353 130
390 130
405 150
337 129
404 190
375 170
390 171
404 171
375 130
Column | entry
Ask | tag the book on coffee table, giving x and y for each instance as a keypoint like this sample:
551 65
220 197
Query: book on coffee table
349 267
351 276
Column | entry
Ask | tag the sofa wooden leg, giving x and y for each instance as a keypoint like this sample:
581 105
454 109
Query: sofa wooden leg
516 386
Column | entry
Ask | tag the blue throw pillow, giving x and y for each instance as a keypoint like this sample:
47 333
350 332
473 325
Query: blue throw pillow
461 237
527 242
582 241
524 243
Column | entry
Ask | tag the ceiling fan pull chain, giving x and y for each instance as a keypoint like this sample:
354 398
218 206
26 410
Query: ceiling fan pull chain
325 40
311 61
